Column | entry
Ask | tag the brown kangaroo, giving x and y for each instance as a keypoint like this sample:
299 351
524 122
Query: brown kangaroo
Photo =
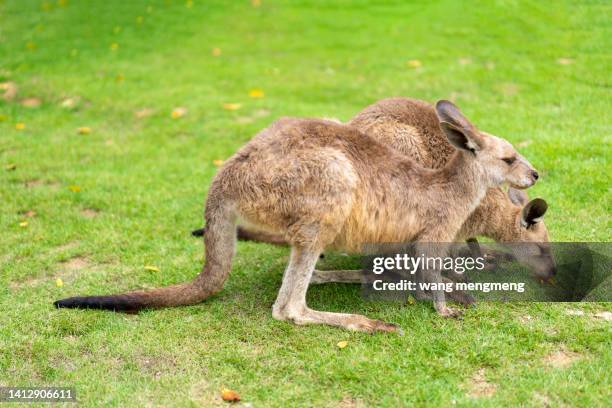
412 127
326 185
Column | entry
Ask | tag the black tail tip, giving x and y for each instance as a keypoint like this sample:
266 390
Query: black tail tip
68 303
118 303
199 232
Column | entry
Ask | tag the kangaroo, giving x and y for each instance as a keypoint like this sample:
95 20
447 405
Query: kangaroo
411 127
504 217
327 185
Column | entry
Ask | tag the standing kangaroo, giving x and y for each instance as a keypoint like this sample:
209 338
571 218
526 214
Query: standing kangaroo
412 128
327 185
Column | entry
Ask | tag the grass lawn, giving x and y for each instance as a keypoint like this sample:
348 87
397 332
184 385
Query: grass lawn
83 212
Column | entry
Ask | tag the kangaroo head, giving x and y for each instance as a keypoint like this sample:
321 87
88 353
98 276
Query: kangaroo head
498 158
529 228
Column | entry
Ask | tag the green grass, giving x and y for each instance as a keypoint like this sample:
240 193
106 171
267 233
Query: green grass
147 179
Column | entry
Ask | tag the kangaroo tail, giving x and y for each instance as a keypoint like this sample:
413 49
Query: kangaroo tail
220 237
199 232
245 234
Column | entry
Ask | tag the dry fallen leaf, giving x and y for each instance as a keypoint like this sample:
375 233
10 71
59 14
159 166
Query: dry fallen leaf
74 188
30 102
524 143
33 183
59 282
260 113
84 130
29 213
229 395
151 268
69 103
23 224
218 163
565 61
232 106
143 113
10 90
256 3
178 112
216 52
256 93
244 119
90 212
414 63
10 167
20 126
342 344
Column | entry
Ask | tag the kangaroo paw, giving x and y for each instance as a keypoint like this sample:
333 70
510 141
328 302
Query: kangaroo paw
494 258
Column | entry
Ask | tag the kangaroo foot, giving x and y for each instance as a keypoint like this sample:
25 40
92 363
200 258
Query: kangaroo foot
494 258
348 321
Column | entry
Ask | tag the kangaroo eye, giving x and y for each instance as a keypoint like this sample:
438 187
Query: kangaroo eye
509 160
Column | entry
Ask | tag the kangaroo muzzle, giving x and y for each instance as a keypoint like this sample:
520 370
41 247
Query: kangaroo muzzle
525 175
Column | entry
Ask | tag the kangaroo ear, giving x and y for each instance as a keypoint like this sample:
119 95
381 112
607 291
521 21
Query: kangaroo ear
518 197
458 129
459 137
533 212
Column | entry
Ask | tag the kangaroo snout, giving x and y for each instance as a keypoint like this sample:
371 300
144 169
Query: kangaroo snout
553 270
530 180
524 176
533 177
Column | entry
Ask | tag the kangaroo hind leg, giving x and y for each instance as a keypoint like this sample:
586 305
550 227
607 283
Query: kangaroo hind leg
291 302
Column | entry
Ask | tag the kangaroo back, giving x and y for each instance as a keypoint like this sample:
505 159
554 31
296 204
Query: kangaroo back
409 126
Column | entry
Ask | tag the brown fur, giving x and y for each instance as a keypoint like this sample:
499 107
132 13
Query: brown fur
326 185
411 127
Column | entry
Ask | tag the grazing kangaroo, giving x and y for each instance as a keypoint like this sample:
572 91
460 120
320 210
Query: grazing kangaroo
411 127
327 185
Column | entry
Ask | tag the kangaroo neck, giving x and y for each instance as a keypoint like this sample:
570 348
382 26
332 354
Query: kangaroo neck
463 180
